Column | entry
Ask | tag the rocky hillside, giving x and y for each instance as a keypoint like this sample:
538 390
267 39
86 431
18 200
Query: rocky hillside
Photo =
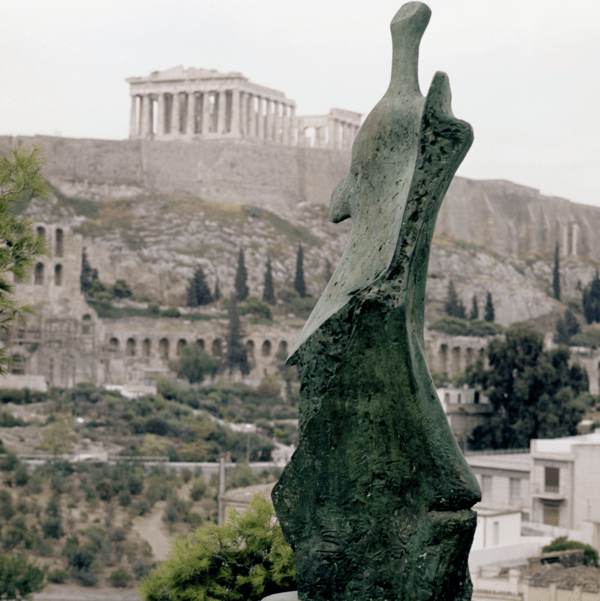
154 243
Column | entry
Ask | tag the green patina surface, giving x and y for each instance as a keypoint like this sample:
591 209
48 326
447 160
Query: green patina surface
376 500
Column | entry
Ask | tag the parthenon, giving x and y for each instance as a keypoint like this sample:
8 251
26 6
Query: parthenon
199 103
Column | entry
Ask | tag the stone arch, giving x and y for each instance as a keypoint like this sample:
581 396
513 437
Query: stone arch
456 359
114 344
58 271
146 347
86 324
283 348
163 348
200 343
444 357
217 347
250 347
180 344
130 348
266 348
39 274
41 232
470 355
58 243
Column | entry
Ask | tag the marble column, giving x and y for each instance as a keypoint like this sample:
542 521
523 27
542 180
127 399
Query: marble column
221 106
252 116
243 114
190 127
235 113
206 125
145 115
285 125
175 115
269 120
133 121
160 120
276 122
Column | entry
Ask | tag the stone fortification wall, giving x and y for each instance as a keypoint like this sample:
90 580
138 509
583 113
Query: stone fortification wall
504 217
272 177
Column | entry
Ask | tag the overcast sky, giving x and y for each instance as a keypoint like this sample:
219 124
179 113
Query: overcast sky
524 73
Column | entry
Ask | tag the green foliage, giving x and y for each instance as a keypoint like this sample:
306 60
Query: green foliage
170 312
590 338
217 292
556 275
7 420
269 387
440 379
591 300
20 178
19 578
533 393
562 544
489 308
299 284
153 309
195 364
121 289
269 288
573 303
198 290
198 490
243 477
245 559
302 307
256 307
566 327
237 356
454 326
241 277
454 306
120 578
57 576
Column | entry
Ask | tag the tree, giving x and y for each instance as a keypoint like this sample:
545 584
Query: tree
121 289
217 293
20 178
19 578
566 327
237 356
556 275
562 544
489 308
88 275
241 276
454 306
474 309
269 290
533 393
58 439
195 363
246 558
591 300
198 290
299 284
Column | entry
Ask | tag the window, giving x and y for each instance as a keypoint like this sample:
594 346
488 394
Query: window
163 348
58 250
146 345
217 348
515 492
552 479
551 514
486 489
495 533
39 274
266 348
180 344
130 348
58 275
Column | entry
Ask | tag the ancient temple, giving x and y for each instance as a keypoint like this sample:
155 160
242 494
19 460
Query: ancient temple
187 103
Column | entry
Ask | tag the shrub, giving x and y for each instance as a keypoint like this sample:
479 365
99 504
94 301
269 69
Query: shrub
455 326
186 474
57 576
198 490
120 578
21 475
243 476
7 511
141 507
124 498
176 510
590 338
8 462
20 579
256 307
562 544
170 312
223 560
52 527
153 309
269 388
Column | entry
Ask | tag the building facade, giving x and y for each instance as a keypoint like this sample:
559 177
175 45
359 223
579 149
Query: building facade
193 103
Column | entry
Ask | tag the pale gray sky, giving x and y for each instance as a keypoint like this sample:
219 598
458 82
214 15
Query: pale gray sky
524 73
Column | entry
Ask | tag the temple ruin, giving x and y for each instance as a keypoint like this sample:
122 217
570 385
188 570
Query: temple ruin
200 103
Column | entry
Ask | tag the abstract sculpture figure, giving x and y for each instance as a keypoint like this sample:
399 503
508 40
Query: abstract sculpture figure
376 499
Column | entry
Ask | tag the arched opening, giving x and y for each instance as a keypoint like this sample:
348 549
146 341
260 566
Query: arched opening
444 357
58 275
41 232
200 343
113 344
58 246
86 324
180 344
456 359
266 348
217 348
250 349
283 348
163 348
146 346
39 274
130 349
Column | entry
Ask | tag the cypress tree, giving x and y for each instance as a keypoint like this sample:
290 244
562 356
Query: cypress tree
591 300
241 277
217 294
237 355
489 308
454 306
556 274
198 290
474 309
269 290
299 284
